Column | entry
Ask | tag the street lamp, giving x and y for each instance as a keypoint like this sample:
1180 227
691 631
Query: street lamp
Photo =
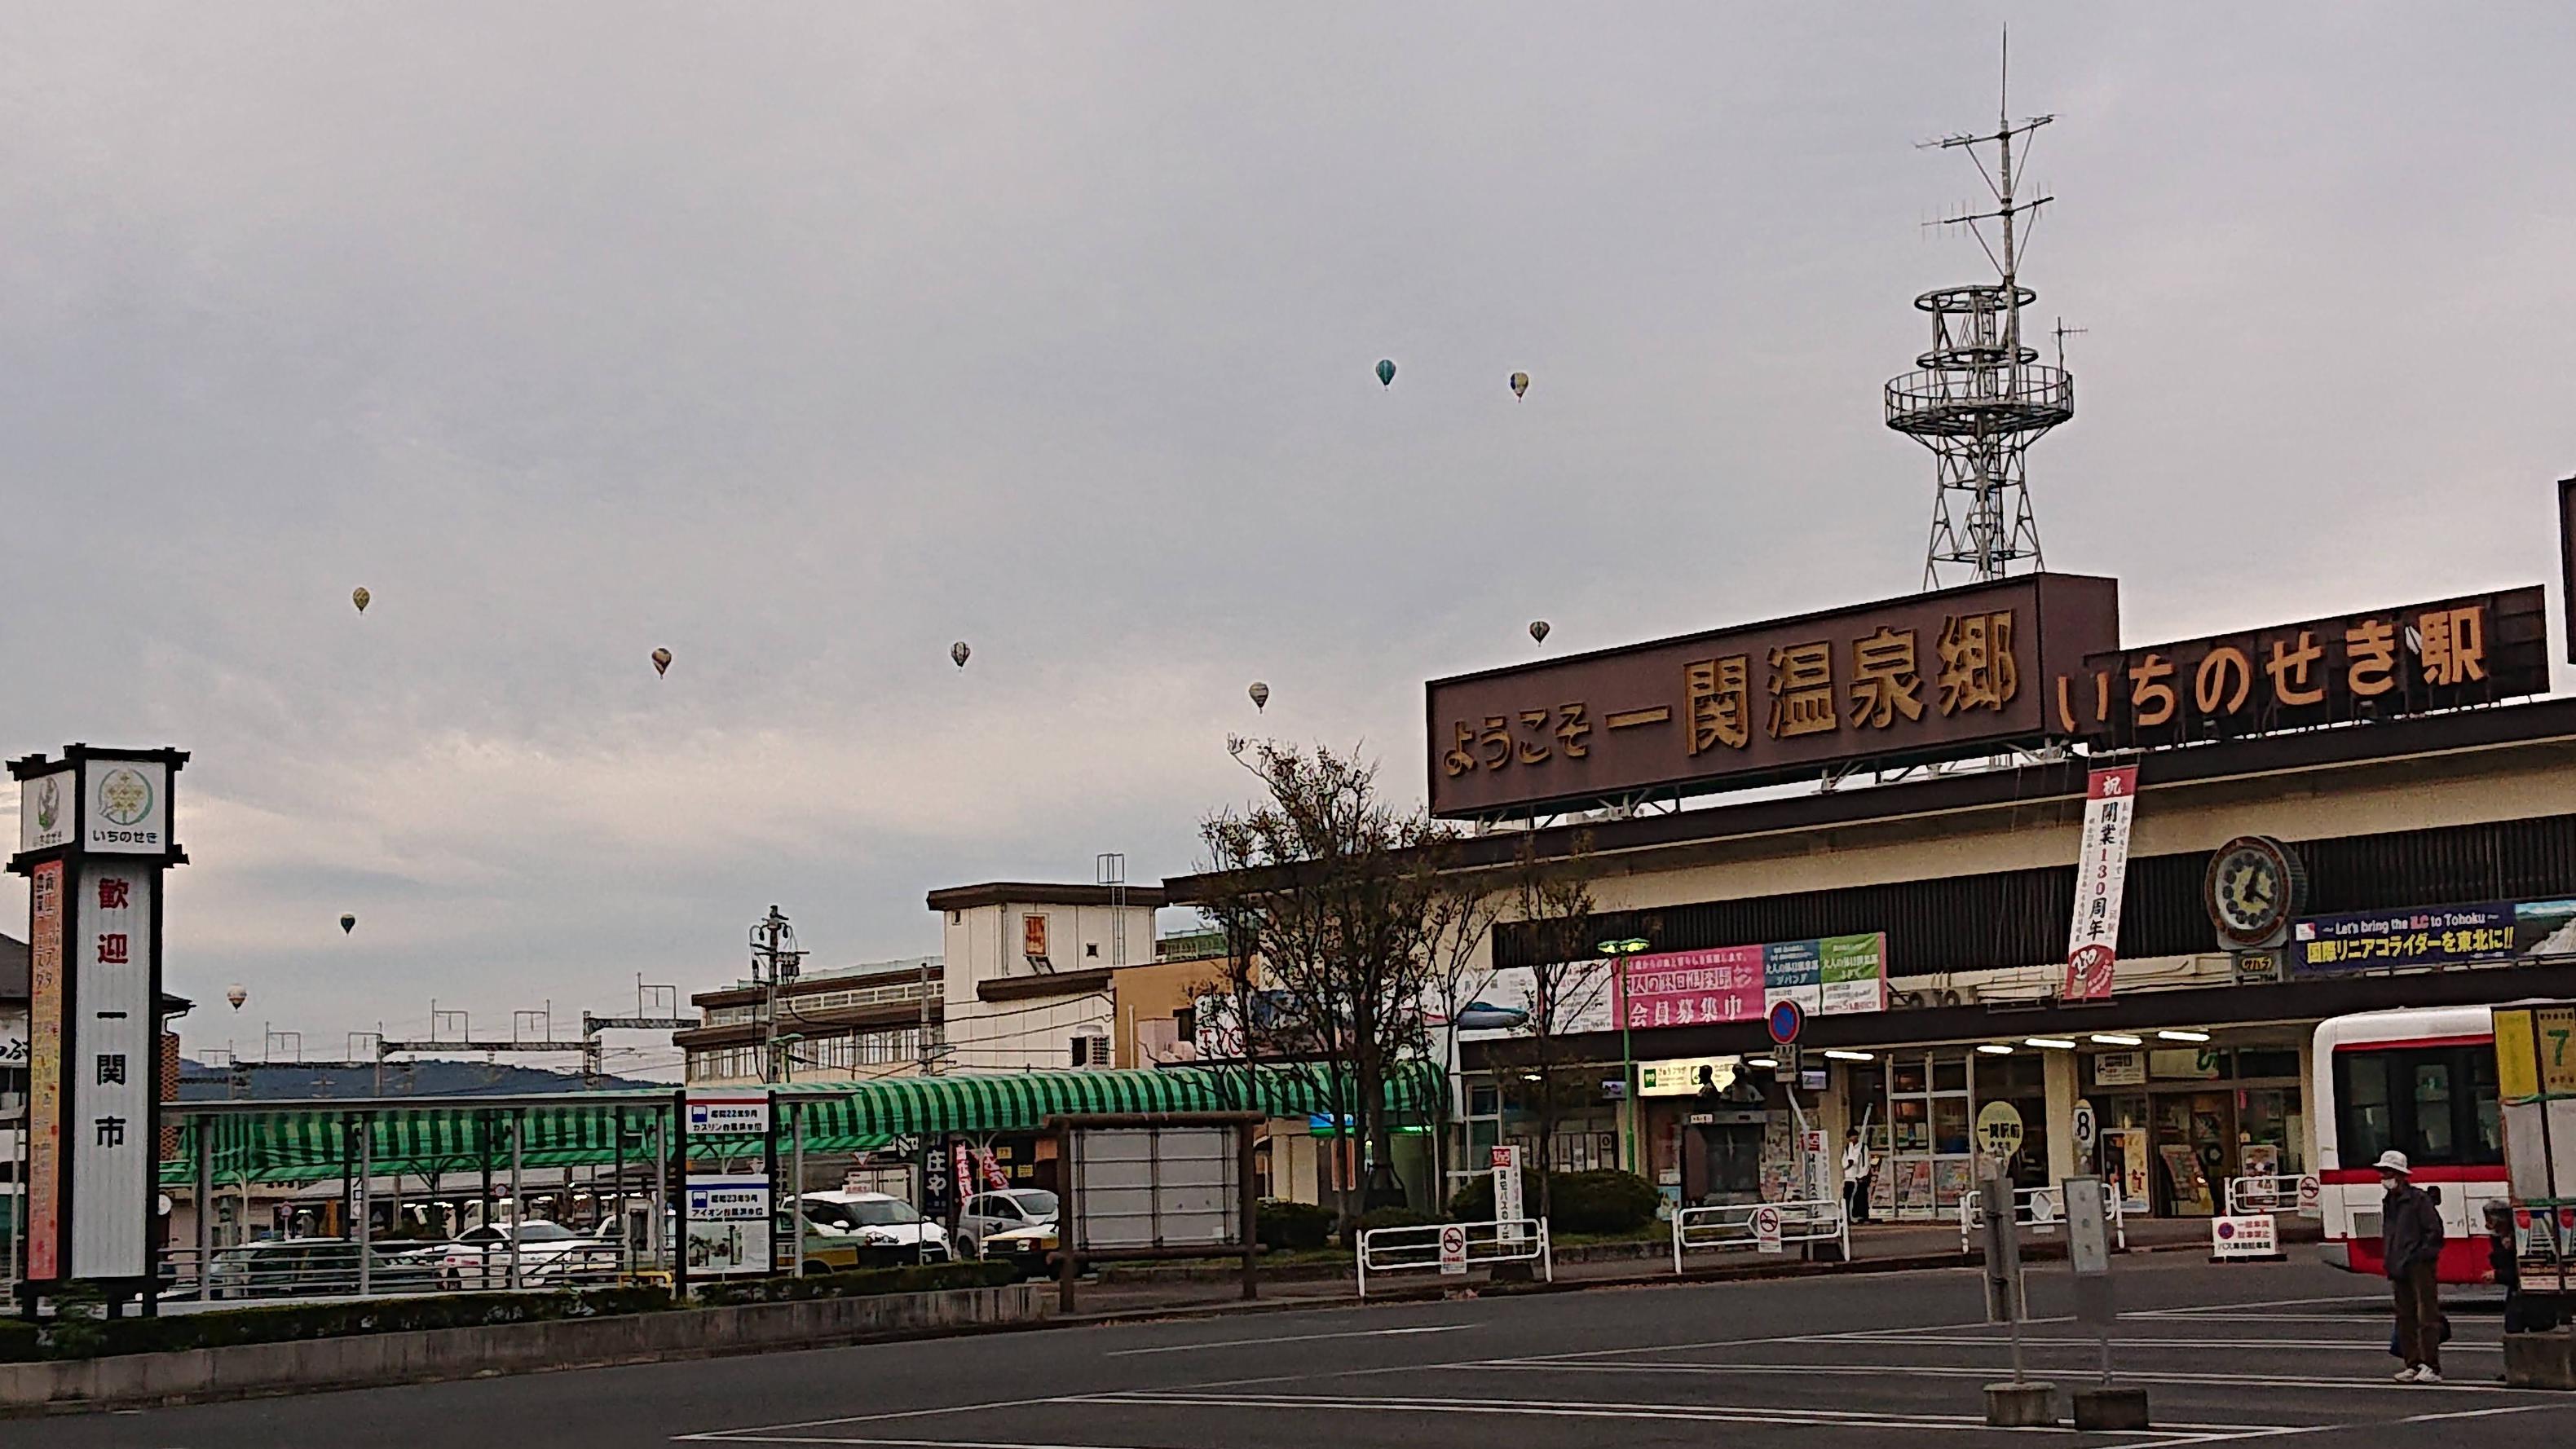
1619 952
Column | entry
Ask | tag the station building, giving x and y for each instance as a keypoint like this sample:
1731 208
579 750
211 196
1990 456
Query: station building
2336 816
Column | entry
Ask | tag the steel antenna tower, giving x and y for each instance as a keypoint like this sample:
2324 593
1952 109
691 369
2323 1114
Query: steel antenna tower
1980 397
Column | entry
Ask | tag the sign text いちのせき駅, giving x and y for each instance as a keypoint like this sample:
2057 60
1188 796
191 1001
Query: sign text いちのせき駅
1932 676
2101 874
2375 664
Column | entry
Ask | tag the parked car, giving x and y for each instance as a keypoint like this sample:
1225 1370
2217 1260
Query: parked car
891 1232
1009 1210
310 1267
549 1254
1031 1249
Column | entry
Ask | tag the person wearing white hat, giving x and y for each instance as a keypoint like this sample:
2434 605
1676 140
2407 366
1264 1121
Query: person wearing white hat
2410 1235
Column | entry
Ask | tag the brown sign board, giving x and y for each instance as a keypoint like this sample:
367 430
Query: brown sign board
2374 664
1934 676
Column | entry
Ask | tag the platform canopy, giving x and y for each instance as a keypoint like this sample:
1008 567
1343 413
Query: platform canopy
308 1141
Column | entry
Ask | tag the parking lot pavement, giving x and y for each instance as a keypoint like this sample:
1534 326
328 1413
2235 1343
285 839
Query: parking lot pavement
2229 1355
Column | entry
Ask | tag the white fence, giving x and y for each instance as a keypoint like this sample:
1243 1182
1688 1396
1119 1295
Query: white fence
1738 1226
2038 1211
2274 1192
1421 1249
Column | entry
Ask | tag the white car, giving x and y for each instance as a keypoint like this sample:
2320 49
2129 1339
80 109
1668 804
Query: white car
548 1253
891 1232
1009 1210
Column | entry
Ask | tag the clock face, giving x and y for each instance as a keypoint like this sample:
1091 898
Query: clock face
2251 890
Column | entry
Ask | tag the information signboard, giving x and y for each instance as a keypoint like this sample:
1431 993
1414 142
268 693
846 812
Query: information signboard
728 1226
2233 1239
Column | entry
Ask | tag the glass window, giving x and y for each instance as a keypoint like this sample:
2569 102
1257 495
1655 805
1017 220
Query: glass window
1911 1075
1950 1074
2486 1121
2433 1139
2267 1062
2366 1125
1950 1124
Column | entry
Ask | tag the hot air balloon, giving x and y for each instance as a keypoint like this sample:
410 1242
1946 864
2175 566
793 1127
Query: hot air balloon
1520 384
348 923
661 661
1386 372
359 597
1260 693
959 652
1538 630
237 996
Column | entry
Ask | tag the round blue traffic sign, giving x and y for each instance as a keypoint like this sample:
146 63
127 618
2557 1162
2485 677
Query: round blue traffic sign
1786 1018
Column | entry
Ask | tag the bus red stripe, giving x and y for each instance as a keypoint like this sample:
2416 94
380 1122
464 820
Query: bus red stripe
2482 1039
2350 1175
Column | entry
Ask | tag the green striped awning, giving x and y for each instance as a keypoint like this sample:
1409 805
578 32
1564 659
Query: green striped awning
310 1141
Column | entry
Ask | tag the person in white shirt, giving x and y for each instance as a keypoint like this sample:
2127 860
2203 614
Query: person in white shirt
1856 1175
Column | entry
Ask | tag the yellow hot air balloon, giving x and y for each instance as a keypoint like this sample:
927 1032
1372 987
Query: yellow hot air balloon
661 661
1520 384
359 597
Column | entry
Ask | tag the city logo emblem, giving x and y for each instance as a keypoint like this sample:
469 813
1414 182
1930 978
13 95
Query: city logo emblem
124 796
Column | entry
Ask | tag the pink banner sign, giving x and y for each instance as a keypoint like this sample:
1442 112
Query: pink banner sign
1687 988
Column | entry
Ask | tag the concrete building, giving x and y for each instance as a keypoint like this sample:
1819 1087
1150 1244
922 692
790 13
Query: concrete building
1030 971
846 1023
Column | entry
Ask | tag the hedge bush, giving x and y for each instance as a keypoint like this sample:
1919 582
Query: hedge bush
83 1337
1578 1202
862 1283
1390 1217
1292 1226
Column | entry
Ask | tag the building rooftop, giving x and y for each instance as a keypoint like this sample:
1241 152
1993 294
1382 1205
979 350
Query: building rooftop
1032 893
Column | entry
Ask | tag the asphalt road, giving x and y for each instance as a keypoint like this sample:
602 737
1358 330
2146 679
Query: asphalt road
2228 1354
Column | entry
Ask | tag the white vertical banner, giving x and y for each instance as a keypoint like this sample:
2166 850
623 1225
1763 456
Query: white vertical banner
107 1132
2101 873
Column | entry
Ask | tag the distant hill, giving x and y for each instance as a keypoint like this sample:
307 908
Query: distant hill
201 1083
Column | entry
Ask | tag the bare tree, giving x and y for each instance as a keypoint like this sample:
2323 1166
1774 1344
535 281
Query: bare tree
1458 914
1553 907
1321 873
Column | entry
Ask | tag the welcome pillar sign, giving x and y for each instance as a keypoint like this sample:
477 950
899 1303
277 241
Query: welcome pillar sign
94 841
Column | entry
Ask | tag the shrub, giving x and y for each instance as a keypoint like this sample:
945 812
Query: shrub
865 1282
83 1337
1578 1202
1388 1217
1292 1226
18 1340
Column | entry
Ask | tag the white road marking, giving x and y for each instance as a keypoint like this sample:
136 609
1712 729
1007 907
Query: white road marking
1287 1338
2193 1309
1879 1370
1557 1409
718 1435
2091 1345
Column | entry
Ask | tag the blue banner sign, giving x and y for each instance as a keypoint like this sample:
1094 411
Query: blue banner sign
2431 936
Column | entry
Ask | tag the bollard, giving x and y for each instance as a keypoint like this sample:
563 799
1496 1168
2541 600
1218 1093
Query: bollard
2106 1409
2027 1404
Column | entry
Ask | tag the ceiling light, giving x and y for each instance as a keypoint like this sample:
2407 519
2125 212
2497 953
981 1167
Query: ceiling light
2116 1038
2182 1036
1764 1062
1994 1049
2059 1042
1839 1055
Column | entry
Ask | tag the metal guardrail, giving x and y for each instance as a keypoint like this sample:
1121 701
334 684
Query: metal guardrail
2272 1192
1419 1249
2038 1211
1736 1226
286 1268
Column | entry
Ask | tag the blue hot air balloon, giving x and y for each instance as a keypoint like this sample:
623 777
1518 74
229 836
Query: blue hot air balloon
1386 372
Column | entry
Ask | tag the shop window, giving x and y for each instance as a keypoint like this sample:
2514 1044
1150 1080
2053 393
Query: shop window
2267 1062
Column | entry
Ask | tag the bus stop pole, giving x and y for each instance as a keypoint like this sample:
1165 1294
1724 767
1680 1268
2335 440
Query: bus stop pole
518 1202
796 1185
203 1132
366 1201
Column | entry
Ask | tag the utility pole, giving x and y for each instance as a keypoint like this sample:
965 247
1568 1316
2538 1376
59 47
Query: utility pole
775 961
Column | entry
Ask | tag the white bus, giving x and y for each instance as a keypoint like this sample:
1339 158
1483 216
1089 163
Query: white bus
2421 1080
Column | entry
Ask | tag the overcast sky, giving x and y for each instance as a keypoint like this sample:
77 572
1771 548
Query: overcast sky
805 339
